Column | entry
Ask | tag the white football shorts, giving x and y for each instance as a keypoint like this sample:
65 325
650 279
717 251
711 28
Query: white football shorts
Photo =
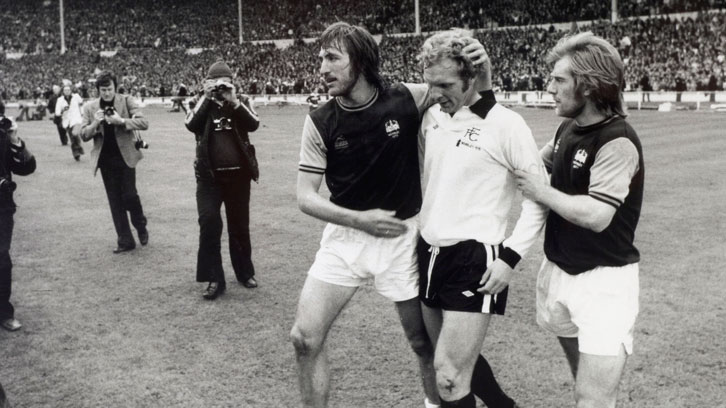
351 257
599 306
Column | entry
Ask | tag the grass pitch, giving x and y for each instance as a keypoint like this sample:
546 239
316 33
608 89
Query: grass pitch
131 330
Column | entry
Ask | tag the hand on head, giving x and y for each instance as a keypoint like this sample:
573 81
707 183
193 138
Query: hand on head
479 57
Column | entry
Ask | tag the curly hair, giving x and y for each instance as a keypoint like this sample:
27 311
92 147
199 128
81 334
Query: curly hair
449 44
596 67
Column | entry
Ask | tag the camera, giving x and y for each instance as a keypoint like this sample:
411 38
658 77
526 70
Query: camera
141 144
5 124
7 186
109 111
218 89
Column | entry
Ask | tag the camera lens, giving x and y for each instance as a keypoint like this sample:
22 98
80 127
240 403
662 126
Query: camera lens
7 185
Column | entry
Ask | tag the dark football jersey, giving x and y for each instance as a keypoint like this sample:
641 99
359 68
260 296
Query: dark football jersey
604 161
369 154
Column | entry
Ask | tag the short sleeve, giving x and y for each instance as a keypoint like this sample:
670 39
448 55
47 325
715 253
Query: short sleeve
612 172
313 153
421 96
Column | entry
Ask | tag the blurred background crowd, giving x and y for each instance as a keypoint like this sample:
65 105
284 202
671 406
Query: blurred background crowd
152 41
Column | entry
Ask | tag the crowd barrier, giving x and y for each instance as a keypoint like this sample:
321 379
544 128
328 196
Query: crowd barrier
661 100
664 101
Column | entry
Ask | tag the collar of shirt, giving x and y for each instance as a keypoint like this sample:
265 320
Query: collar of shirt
485 104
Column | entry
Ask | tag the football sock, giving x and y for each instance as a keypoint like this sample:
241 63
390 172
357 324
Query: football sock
429 404
485 386
467 402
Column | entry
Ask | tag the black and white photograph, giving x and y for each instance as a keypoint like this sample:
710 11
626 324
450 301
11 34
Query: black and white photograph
362 204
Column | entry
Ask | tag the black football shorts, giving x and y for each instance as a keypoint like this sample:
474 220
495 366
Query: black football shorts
449 277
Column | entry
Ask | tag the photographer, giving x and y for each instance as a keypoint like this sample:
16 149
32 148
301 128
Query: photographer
224 166
14 159
111 121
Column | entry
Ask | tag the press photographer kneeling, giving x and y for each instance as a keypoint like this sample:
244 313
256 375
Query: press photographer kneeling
14 159
112 121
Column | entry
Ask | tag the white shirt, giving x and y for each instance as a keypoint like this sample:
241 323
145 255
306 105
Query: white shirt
72 116
467 176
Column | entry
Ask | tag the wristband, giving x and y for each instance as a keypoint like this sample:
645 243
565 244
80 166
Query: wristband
510 257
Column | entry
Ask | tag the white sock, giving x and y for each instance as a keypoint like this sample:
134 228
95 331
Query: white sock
429 404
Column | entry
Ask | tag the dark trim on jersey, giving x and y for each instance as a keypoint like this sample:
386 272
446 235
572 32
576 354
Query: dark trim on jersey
588 128
360 107
310 169
485 104
606 199
510 257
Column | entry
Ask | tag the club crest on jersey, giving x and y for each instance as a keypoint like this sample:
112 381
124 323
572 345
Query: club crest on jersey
580 158
393 129
470 138
472 134
341 143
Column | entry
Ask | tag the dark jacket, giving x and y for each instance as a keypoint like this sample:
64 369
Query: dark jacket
51 104
244 120
13 160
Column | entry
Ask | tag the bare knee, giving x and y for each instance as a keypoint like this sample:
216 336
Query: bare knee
306 344
450 381
421 345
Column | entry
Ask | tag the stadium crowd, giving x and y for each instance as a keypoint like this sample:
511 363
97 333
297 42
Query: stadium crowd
669 54
32 26
662 53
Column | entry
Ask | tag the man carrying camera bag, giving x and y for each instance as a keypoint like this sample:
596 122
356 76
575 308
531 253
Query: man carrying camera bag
14 159
111 121
224 166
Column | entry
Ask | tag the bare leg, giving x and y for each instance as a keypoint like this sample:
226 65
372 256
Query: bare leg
433 318
483 383
571 347
409 311
596 377
459 343
318 307
3 399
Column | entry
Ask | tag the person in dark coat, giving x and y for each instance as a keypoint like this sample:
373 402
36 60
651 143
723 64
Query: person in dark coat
224 167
